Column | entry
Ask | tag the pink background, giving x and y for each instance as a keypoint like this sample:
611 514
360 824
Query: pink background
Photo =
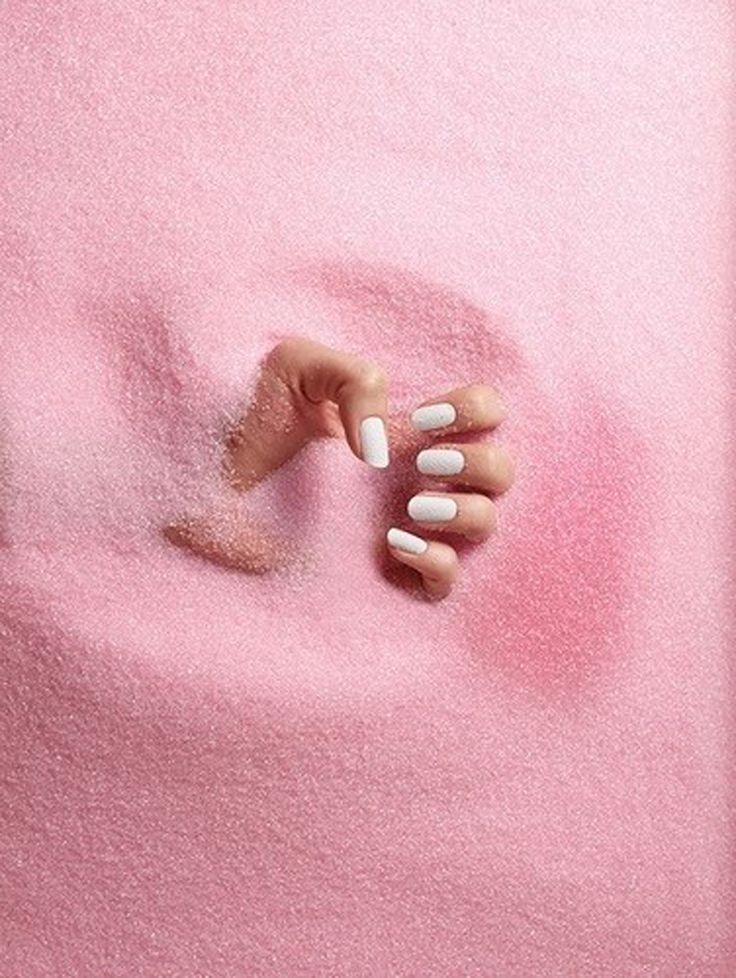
317 773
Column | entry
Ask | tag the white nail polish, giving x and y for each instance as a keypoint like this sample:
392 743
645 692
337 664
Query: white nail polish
440 461
431 509
373 442
433 416
407 542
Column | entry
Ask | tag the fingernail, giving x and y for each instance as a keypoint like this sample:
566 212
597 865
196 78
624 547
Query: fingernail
406 542
373 442
434 416
440 461
431 509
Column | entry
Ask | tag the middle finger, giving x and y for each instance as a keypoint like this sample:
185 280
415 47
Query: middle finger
483 465
467 513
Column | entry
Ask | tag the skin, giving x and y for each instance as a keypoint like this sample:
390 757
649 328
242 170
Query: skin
306 390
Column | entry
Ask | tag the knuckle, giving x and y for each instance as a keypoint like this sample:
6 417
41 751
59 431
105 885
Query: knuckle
486 514
285 350
370 376
488 460
487 391
505 469
448 564
477 395
484 402
438 592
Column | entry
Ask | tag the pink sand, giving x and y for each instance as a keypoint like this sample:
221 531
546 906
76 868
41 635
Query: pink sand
317 774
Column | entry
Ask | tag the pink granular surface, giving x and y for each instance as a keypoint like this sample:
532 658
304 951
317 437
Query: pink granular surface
317 773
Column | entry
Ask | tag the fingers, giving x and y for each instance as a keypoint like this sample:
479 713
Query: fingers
473 408
358 387
437 563
301 388
307 389
363 410
468 514
482 466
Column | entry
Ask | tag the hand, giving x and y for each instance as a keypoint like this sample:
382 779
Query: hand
304 391
470 471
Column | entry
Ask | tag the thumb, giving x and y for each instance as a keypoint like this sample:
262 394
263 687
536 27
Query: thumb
359 389
299 386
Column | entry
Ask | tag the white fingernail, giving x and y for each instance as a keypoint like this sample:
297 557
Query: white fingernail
373 442
440 461
434 416
431 509
407 542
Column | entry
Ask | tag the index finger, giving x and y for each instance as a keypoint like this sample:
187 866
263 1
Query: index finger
473 408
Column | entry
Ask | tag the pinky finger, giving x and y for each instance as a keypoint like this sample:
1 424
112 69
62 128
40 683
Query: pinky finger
436 562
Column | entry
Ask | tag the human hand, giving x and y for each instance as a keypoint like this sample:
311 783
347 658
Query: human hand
306 390
460 476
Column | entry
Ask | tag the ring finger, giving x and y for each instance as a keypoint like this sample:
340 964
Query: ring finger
469 514
483 466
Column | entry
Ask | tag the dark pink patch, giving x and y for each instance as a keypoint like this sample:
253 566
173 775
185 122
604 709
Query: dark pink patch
550 608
